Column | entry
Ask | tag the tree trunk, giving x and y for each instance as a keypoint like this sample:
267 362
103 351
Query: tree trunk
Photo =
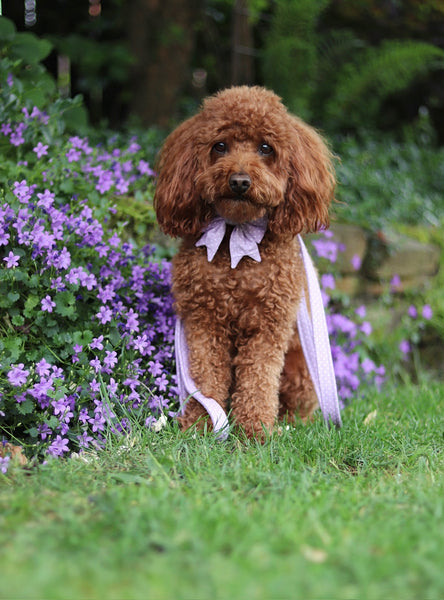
242 54
161 38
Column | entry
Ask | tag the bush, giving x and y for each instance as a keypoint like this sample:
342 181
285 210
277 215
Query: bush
87 323
384 182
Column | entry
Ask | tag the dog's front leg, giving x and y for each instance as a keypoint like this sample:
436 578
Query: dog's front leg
210 367
258 366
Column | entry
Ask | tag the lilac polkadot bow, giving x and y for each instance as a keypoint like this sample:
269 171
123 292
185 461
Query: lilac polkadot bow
244 240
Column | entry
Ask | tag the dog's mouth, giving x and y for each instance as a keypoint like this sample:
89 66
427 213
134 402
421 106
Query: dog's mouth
238 209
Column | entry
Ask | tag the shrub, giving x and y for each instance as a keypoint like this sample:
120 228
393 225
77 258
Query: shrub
87 322
331 76
384 182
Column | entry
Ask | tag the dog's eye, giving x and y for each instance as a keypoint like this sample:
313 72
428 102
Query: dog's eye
265 149
220 147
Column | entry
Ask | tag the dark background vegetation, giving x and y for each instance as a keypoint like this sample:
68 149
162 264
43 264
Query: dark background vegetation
345 65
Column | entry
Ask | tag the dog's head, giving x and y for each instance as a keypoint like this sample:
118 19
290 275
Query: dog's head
241 157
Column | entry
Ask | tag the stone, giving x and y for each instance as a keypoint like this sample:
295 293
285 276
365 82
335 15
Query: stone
354 241
411 260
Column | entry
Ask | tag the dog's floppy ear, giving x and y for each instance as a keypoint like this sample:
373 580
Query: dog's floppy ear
311 182
180 211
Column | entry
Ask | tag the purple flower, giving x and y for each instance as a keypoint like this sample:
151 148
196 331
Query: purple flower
368 366
427 312
155 368
326 249
5 128
95 363
41 149
110 359
73 155
105 183
133 147
4 463
84 440
104 315
361 311
43 367
46 199
12 260
22 191
395 282
63 259
328 281
59 446
144 168
132 322
366 328
48 304
94 386
412 312
4 238
17 375
162 382
114 240
356 262
44 431
96 343
17 138
404 346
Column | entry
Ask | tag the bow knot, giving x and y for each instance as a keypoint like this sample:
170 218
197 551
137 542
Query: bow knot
244 240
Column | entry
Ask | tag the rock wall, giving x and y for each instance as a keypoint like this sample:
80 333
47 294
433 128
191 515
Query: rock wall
382 256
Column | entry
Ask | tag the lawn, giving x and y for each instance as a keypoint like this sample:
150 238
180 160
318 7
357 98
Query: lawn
311 513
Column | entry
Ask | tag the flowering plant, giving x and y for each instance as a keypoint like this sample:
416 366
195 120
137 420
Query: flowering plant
87 324
348 328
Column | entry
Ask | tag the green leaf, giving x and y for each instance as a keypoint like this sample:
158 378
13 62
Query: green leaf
114 336
30 48
67 186
33 432
30 304
13 297
18 320
7 29
82 338
34 281
75 118
65 304
53 421
26 407
13 347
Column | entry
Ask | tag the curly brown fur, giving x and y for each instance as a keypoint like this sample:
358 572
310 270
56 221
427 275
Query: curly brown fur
240 323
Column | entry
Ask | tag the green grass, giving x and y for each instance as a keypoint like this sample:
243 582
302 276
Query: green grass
312 513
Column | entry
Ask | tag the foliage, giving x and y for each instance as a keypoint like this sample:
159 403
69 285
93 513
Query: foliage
334 77
297 517
86 328
363 83
383 182
20 61
290 54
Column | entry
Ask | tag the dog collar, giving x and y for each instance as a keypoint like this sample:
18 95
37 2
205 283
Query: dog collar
244 240
313 333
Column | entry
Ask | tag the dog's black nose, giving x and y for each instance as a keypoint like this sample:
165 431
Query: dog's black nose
239 183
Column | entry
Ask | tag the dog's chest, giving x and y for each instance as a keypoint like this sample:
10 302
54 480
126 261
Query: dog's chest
274 284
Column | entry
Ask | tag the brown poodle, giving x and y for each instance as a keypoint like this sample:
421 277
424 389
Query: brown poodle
244 159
